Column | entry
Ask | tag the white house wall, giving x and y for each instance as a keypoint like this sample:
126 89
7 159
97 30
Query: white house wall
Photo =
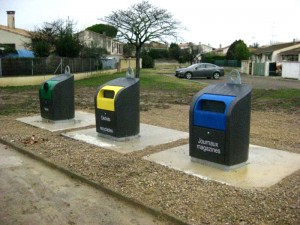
206 48
276 57
93 39
12 38
245 66
291 70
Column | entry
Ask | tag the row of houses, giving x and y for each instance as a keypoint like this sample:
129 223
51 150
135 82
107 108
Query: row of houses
18 38
281 59
276 59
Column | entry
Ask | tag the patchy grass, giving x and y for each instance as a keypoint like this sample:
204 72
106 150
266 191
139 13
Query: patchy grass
97 80
281 99
150 81
156 89
16 89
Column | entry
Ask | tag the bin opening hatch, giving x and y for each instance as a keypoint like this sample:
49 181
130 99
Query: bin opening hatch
212 106
108 94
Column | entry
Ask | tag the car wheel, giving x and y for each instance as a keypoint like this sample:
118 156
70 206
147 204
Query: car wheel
188 76
216 75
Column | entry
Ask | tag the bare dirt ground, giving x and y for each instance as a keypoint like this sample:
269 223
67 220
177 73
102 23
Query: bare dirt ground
189 198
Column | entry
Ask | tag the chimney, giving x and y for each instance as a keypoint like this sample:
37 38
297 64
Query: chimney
220 45
11 19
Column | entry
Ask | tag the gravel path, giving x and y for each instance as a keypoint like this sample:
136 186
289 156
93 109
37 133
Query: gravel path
189 198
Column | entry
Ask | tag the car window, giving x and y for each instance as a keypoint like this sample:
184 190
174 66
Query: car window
201 66
209 66
191 66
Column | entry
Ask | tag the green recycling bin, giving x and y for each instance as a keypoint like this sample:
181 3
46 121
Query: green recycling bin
57 98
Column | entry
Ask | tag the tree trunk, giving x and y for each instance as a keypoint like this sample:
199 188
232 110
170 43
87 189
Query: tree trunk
137 62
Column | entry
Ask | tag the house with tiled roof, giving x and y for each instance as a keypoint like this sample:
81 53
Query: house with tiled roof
203 48
221 50
292 55
12 36
155 45
276 52
93 39
282 59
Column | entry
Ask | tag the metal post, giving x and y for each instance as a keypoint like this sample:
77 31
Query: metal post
61 65
32 67
0 68
90 66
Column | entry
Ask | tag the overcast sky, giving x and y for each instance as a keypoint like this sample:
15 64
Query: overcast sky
211 22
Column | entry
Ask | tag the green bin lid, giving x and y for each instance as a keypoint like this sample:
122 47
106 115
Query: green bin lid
46 89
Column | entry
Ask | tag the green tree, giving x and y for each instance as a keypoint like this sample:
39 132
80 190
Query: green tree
40 48
185 55
147 61
174 51
105 29
158 53
67 44
238 50
141 23
6 49
92 52
210 57
55 37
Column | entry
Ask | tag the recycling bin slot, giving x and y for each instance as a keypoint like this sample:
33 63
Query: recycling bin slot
220 124
117 108
57 98
109 94
212 106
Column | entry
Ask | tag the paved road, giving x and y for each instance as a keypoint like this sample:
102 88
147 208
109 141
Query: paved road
32 193
258 82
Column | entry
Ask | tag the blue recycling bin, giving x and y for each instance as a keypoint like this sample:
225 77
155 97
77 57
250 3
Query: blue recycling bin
220 124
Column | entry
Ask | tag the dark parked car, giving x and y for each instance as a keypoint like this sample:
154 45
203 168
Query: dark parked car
201 70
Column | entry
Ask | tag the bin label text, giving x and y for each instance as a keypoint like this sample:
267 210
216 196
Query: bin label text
106 129
208 146
105 118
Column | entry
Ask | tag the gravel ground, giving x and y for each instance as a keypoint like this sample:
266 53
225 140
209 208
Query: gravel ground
189 198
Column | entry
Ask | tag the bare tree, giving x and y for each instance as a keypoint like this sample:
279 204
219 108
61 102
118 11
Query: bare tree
142 23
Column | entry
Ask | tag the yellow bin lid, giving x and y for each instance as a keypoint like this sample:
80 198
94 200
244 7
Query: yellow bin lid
106 97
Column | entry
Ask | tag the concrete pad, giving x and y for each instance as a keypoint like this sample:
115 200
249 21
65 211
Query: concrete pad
81 119
149 136
264 168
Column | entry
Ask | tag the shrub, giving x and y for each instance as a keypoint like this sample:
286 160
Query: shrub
147 61
158 53
211 57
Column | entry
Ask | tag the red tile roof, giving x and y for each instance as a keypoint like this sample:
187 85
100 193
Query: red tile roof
272 48
15 31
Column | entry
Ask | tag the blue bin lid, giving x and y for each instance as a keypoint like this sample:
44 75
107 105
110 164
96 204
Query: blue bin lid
210 111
